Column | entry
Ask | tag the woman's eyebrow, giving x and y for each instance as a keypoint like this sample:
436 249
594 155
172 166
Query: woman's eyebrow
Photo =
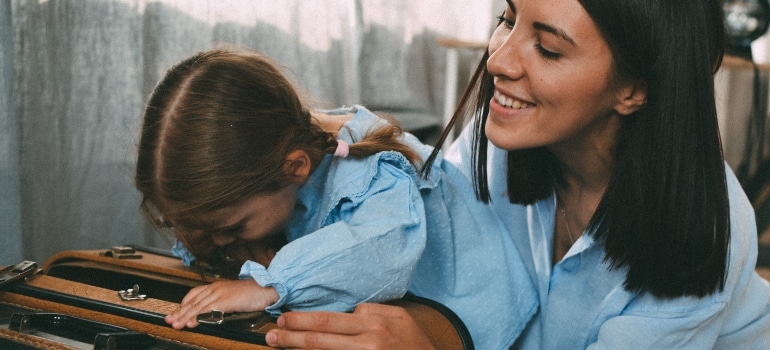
553 30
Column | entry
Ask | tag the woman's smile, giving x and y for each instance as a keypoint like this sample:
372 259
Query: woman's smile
505 108
510 102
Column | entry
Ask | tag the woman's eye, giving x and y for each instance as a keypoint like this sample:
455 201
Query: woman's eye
508 23
546 53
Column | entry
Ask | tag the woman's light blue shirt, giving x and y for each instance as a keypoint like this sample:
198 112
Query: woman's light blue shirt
583 304
471 264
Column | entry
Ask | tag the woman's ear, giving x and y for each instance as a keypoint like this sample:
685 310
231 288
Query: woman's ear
297 166
631 97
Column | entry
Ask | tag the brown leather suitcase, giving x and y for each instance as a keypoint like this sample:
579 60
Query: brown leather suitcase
117 298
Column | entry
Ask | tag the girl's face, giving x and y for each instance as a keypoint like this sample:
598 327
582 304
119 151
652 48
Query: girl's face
552 73
253 220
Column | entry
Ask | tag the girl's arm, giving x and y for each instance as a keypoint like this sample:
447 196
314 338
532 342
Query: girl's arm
367 255
226 296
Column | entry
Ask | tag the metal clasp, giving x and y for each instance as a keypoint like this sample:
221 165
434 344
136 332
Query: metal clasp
219 317
121 252
132 294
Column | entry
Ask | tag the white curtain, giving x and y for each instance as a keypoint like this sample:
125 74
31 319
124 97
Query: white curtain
74 75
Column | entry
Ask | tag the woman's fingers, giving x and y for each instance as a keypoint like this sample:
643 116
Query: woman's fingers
325 322
307 340
370 326
315 330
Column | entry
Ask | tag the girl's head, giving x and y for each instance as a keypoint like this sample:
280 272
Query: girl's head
221 130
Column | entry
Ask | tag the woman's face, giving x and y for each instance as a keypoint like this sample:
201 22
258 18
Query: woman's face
552 73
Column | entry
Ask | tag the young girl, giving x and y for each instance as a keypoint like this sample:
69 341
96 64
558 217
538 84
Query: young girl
230 158
236 165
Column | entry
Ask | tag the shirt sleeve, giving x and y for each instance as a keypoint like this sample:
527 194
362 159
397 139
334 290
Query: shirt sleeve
367 254
180 251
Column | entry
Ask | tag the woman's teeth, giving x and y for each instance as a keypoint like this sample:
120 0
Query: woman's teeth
510 102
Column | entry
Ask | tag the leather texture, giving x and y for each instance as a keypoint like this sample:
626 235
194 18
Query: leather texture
85 284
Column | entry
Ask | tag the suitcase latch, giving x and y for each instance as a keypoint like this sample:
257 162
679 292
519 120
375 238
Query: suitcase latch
219 317
132 294
121 252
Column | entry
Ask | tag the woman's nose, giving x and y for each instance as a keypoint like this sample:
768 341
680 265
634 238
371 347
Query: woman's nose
505 59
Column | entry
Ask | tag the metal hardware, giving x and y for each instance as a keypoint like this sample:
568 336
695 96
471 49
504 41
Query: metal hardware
132 294
17 272
121 252
219 317
70 330
123 340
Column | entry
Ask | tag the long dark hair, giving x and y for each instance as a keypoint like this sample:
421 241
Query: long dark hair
665 213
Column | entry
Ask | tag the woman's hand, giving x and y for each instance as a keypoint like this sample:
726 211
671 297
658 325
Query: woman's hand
370 326
227 296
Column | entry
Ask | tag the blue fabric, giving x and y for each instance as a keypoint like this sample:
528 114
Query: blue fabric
369 219
470 263
355 235
583 305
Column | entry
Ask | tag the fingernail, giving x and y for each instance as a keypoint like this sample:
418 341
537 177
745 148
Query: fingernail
271 338
280 322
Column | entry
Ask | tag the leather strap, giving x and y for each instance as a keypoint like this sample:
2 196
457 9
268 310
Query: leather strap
47 292
146 316
151 263
21 340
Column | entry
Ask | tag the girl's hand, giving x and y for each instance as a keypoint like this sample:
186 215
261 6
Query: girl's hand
226 296
370 326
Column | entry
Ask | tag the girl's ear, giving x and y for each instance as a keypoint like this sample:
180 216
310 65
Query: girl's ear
631 97
297 165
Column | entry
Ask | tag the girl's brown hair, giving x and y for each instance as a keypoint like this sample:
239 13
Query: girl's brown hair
217 129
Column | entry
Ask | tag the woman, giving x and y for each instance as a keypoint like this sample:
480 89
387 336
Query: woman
595 140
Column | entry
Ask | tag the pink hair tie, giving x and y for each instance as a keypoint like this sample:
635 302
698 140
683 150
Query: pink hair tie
342 149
